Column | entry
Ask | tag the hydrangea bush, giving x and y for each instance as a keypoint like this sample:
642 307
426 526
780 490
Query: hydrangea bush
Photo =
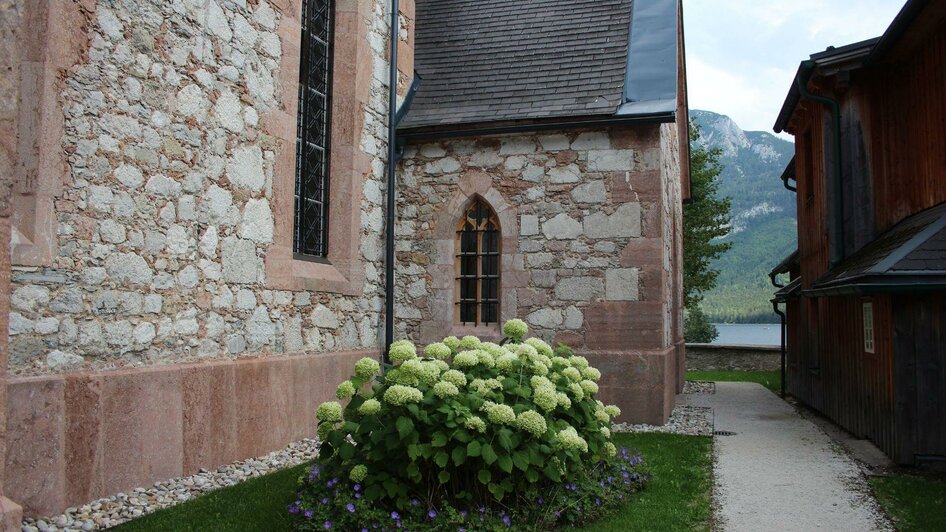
467 434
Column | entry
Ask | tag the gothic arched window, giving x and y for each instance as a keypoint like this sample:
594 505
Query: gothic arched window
310 236
478 256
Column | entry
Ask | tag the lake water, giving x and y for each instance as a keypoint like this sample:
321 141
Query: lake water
748 334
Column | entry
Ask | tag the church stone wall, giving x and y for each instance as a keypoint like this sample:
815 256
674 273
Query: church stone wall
588 249
163 332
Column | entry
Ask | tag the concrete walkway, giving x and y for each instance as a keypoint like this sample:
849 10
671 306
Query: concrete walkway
780 472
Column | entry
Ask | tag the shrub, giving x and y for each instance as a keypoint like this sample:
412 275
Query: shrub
697 327
499 435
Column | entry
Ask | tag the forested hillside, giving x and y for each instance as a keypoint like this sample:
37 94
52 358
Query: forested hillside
764 222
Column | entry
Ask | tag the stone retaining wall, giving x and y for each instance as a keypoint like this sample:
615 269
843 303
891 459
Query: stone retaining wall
709 357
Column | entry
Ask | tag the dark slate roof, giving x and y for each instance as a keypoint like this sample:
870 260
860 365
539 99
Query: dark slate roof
498 60
914 250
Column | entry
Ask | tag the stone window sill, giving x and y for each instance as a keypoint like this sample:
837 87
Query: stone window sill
284 272
491 332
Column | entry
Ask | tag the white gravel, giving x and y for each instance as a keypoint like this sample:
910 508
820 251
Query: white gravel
114 510
685 419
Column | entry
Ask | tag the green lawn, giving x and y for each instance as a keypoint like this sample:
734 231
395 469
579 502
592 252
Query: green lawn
676 498
913 502
678 494
770 379
258 504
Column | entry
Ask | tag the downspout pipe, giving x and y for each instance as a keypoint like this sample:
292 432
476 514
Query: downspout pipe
391 184
804 74
781 316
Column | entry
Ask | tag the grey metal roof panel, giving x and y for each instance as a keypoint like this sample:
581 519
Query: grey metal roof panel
519 59
915 245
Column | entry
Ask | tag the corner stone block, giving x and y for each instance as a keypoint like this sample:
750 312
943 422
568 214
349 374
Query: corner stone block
639 383
35 465
622 285
625 222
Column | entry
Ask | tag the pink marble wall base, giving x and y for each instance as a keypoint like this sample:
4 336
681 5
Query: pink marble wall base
11 515
77 437
642 384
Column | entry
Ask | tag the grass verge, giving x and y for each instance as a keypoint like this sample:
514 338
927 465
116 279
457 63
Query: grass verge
258 504
914 503
676 498
770 379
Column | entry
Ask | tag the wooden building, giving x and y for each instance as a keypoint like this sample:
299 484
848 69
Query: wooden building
866 306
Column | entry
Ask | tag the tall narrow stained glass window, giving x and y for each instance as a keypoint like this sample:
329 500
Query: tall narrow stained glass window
478 247
310 235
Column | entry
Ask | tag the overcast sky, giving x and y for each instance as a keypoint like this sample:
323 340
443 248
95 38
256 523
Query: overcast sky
742 54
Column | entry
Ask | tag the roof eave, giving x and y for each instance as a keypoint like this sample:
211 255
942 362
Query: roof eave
879 284
848 57
433 132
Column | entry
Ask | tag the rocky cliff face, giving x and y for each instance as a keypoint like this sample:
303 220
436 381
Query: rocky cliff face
763 214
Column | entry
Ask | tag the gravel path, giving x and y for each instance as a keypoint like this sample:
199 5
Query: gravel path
781 472
114 510
686 419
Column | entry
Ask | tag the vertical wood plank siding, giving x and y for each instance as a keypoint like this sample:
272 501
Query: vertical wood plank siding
886 395
830 371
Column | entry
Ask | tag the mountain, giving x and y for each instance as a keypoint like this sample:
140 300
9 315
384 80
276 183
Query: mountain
764 221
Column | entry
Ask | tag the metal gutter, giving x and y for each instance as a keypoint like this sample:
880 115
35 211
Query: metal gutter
837 254
783 267
391 185
789 174
650 79
783 319
408 99
849 56
872 284
604 121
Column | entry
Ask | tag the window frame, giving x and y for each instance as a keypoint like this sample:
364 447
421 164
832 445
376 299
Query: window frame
304 125
867 316
481 230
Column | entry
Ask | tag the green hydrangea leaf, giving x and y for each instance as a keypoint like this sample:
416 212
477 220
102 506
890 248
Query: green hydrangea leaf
489 455
473 448
444 477
404 426
459 455
439 439
442 458
505 463
485 476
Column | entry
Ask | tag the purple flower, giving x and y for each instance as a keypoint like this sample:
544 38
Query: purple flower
432 514
357 495
293 509
309 514
350 507
395 515
414 502
541 500
327 525
464 513
558 513
356 487
324 500
507 520
597 502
